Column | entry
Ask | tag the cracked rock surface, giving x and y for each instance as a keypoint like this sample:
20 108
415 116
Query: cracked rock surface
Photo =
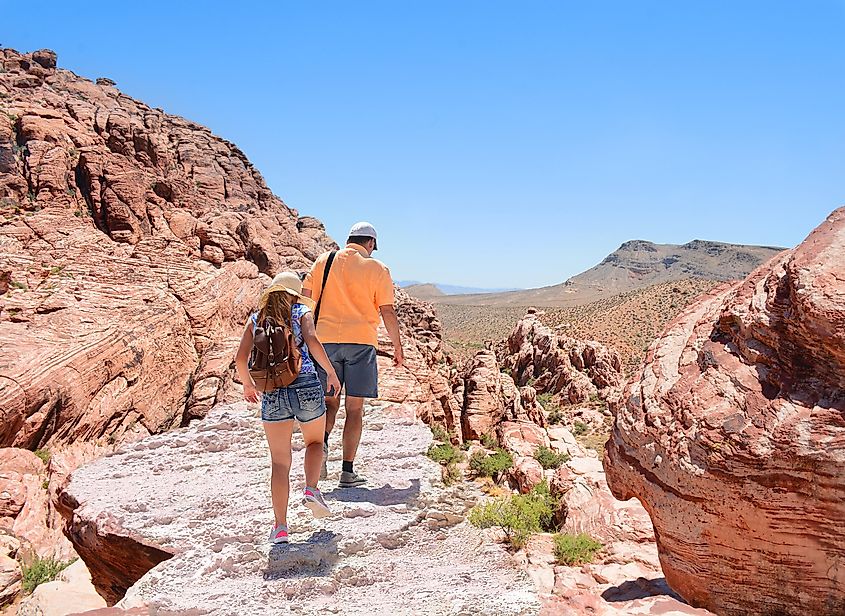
198 500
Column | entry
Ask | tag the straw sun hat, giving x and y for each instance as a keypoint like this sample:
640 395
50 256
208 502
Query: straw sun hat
290 283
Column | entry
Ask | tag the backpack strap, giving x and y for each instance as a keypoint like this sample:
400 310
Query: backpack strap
326 271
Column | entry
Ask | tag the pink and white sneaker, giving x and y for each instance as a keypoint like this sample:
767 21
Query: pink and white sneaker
279 534
314 501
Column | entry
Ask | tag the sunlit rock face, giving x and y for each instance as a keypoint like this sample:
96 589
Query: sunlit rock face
733 437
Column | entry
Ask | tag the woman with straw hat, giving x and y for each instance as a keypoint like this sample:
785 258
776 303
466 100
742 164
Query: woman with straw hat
303 399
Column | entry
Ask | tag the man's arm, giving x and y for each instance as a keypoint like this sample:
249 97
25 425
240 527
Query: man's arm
391 322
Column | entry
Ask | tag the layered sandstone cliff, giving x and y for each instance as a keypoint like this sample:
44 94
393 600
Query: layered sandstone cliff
131 243
733 437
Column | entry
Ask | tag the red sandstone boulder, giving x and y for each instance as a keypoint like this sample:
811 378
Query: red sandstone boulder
733 436
526 473
10 569
26 510
522 438
483 397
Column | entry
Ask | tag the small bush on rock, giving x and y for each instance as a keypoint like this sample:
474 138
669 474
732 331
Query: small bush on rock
43 454
518 516
489 441
490 465
575 549
439 433
451 474
40 571
444 453
549 458
552 408
579 428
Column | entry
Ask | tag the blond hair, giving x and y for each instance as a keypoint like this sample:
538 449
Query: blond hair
276 304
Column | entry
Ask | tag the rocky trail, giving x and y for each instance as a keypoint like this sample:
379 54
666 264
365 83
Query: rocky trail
201 494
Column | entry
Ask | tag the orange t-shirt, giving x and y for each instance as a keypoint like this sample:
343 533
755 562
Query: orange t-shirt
357 286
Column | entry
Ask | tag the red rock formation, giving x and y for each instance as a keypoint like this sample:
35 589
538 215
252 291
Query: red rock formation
425 381
10 569
490 396
733 437
131 243
574 370
25 507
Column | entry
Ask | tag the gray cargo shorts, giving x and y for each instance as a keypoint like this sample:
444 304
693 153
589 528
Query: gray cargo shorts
356 368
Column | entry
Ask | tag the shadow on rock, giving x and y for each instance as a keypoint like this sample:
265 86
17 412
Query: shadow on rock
639 589
313 557
384 496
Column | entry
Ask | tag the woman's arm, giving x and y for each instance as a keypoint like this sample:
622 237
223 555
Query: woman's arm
315 348
241 364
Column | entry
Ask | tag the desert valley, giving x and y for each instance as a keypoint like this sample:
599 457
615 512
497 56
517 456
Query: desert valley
662 434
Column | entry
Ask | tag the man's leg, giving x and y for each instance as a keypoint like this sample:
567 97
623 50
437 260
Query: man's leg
361 383
352 427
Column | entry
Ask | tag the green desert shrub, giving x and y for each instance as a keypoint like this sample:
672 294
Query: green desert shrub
518 516
552 408
490 465
549 458
40 571
575 549
439 433
44 454
444 453
451 474
579 428
489 441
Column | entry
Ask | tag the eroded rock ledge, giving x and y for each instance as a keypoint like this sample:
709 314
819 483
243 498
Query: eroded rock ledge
733 437
201 493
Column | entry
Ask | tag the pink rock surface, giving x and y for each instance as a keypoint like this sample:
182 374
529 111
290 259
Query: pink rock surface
574 370
426 379
733 437
625 576
26 509
132 243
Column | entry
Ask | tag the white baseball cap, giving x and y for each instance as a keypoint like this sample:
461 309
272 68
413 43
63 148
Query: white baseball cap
364 229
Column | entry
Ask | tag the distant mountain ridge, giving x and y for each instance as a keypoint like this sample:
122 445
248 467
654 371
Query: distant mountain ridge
429 290
634 265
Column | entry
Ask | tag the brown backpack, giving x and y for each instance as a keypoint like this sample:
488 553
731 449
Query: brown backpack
275 360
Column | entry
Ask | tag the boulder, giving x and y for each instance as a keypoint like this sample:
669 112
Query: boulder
732 438
72 592
26 509
10 569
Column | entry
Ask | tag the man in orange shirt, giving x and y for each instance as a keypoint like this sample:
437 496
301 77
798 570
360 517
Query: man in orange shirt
352 291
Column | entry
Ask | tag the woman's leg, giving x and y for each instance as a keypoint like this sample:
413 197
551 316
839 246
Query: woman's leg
312 433
278 438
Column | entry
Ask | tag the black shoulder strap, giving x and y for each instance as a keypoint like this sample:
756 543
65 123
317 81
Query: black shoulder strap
329 262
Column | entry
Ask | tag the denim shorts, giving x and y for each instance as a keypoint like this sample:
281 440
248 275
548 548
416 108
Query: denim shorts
302 399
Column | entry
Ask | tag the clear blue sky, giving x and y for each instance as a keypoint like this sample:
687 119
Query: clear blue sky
497 144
